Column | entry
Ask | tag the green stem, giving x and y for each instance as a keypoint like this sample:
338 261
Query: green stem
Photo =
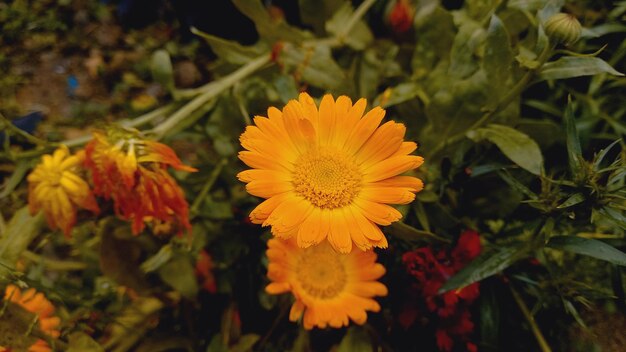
53 264
210 91
29 137
356 16
543 345
208 185
502 104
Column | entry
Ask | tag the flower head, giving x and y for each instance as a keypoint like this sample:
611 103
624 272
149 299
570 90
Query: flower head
432 269
563 28
133 172
56 187
329 172
329 289
401 16
35 302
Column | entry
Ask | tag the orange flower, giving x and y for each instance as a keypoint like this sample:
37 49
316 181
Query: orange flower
133 172
56 186
35 302
328 173
330 288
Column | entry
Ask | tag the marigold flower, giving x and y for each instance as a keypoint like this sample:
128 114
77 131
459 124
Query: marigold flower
56 187
328 173
133 172
35 302
329 289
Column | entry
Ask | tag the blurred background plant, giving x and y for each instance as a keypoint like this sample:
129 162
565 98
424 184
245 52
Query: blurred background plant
518 114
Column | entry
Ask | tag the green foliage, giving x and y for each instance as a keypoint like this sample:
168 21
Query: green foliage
548 200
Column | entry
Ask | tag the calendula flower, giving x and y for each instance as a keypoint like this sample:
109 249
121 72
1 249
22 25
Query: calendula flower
329 172
329 289
35 302
133 173
56 187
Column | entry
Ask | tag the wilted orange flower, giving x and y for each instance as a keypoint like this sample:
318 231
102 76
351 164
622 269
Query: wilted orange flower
133 172
328 173
329 289
35 302
55 185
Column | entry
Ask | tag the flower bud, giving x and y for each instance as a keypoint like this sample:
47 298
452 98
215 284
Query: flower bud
563 28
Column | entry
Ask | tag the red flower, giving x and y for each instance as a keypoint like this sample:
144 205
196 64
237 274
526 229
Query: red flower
431 270
204 267
401 16
133 173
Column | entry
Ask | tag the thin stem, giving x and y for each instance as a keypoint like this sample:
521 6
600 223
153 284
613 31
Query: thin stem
207 186
356 16
29 137
502 104
53 264
210 91
543 345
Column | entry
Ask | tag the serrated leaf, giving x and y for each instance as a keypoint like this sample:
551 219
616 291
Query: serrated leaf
359 36
230 50
485 265
313 63
162 70
570 66
516 145
588 246
179 274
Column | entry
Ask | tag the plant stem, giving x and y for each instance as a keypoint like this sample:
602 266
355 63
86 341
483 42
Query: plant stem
543 345
207 186
210 91
501 105
53 264
29 137
356 16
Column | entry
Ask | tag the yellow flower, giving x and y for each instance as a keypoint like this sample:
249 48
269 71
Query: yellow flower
329 289
35 302
328 173
133 172
56 186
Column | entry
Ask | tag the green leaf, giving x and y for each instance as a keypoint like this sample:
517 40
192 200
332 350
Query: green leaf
498 57
411 234
570 66
81 342
600 157
359 36
615 216
588 246
156 261
161 68
574 153
315 12
179 274
400 93
313 63
245 343
485 265
574 199
355 340
17 176
20 232
269 29
231 51
516 145
515 184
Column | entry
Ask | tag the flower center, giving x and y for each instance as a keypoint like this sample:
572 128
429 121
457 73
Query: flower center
54 177
326 178
321 272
